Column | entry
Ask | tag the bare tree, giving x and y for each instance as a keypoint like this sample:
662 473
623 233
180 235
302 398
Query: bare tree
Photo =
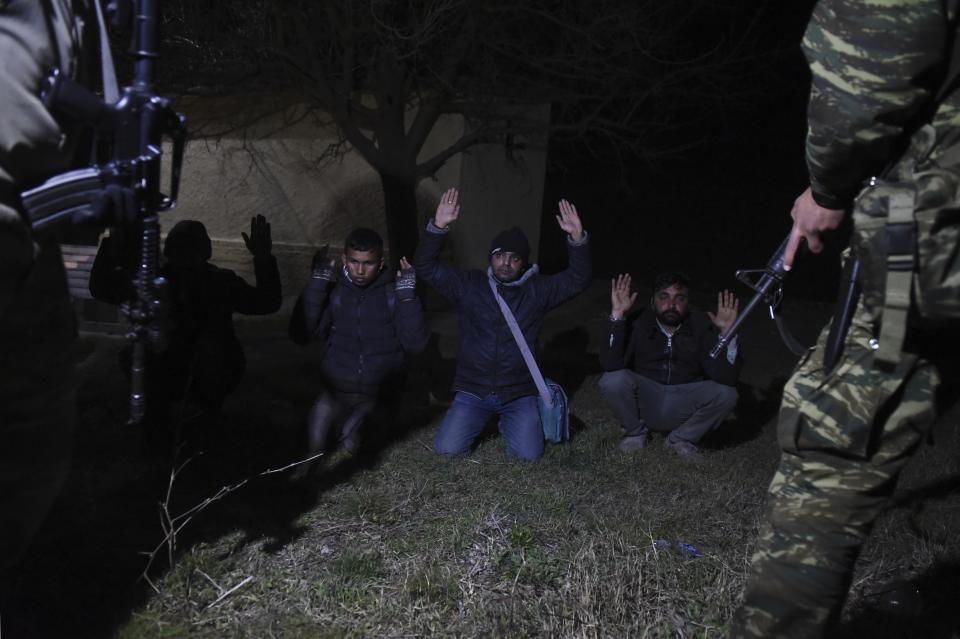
619 75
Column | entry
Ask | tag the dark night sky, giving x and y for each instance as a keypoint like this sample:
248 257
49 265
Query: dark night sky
723 206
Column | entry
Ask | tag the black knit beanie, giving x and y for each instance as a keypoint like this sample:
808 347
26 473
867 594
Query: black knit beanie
512 240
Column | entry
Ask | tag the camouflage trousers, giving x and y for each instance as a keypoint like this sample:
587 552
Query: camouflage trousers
845 437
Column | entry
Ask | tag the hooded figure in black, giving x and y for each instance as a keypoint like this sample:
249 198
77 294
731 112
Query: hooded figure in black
203 360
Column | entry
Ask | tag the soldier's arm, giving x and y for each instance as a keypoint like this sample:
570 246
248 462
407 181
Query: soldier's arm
875 68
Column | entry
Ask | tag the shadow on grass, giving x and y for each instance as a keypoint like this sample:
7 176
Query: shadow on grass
755 409
269 507
82 575
933 615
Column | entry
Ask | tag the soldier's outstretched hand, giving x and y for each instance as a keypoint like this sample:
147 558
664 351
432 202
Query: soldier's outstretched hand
621 299
569 221
448 210
727 308
259 242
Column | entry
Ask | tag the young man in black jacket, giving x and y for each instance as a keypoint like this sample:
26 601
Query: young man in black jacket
492 378
660 374
368 319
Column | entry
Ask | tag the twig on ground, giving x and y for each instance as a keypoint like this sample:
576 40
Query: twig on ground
172 525
230 592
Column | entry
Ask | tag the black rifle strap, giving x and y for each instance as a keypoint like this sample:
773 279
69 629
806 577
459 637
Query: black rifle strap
953 68
843 313
788 339
108 75
951 155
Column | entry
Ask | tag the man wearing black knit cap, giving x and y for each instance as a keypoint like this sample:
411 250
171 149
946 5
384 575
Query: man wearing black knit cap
509 254
492 379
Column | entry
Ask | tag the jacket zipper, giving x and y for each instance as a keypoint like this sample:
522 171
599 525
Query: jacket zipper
669 357
360 339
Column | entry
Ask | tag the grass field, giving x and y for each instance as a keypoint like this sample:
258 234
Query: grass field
401 543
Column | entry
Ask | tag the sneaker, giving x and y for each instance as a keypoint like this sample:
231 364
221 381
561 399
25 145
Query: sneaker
686 450
632 443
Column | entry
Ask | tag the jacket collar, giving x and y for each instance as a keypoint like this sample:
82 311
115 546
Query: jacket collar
384 277
532 270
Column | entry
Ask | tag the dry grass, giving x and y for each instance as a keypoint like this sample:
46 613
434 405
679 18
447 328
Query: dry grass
405 544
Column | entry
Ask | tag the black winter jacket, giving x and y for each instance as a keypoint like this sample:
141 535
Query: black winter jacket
488 360
366 330
682 359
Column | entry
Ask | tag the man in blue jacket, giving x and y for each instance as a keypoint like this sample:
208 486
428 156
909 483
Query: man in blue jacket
368 320
660 374
492 378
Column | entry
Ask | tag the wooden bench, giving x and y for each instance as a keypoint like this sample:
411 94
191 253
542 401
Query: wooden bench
93 315
78 260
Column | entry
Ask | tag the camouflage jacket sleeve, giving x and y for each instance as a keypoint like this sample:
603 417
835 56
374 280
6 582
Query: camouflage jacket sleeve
875 68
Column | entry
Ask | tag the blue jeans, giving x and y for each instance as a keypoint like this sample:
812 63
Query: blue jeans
519 424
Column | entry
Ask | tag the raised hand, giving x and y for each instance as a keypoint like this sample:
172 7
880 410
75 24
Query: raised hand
727 308
569 221
448 210
322 266
621 298
406 277
259 242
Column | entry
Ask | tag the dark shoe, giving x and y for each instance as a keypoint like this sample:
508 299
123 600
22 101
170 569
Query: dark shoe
632 444
300 474
307 471
352 447
686 450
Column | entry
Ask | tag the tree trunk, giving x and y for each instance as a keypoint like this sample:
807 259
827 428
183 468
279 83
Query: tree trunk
400 207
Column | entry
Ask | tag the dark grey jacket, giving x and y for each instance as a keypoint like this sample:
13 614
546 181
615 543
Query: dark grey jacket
366 331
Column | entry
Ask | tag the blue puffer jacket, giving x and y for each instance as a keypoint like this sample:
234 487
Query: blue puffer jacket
489 360
366 330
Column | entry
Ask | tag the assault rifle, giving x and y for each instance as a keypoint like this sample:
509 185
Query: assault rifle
768 286
124 190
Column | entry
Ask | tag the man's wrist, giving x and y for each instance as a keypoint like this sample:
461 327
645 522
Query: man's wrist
616 317
433 228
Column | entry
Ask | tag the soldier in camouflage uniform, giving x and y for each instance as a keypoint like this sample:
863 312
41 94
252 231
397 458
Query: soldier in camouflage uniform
883 102
37 385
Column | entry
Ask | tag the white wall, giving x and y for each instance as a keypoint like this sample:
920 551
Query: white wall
272 166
